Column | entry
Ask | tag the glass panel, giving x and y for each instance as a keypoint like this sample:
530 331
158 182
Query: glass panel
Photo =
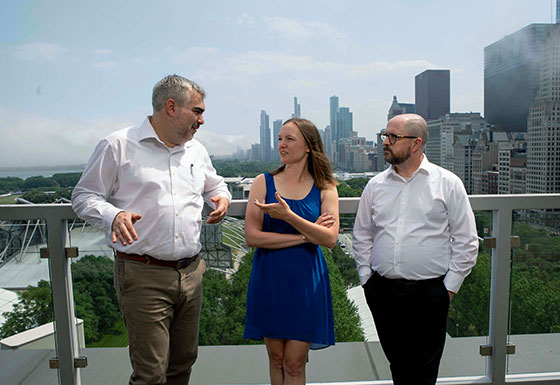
535 292
25 296
468 314
95 299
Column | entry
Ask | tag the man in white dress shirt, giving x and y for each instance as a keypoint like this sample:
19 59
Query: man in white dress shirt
145 186
415 241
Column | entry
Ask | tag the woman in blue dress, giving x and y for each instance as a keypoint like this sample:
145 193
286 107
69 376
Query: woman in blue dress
289 298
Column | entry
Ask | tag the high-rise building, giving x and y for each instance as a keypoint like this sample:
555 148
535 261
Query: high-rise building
511 77
400 108
265 137
327 142
432 90
276 126
333 111
543 126
381 164
463 146
441 133
484 164
344 123
297 109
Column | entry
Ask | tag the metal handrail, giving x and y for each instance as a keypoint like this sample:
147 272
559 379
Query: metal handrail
502 206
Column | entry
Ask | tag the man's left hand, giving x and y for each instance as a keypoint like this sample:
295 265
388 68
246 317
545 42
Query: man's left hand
222 204
450 295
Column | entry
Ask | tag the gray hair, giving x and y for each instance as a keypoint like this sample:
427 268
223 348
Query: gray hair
174 87
417 126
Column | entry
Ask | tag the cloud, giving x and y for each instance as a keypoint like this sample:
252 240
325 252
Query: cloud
29 140
244 19
241 68
104 64
40 51
294 29
219 144
102 51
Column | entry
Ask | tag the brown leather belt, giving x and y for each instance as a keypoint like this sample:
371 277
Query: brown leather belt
148 260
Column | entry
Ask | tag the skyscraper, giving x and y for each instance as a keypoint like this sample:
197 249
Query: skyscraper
265 137
543 127
344 123
276 126
333 111
511 77
432 94
400 108
297 109
327 142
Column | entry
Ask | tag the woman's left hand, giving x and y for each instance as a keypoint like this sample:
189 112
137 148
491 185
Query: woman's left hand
279 210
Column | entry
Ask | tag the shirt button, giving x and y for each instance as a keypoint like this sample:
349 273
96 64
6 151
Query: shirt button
176 235
177 214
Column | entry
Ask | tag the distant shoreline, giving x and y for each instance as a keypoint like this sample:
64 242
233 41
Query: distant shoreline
43 168
45 171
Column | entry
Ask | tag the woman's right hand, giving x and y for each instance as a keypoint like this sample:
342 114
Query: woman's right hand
325 220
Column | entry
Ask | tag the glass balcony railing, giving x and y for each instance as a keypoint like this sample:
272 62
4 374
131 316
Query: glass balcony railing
497 332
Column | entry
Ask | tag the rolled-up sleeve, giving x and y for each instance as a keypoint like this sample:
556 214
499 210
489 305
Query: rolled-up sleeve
99 179
214 185
362 237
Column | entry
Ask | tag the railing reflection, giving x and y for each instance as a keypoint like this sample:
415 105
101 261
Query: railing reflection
68 358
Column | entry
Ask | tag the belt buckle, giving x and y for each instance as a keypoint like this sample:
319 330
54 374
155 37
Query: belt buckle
147 259
183 264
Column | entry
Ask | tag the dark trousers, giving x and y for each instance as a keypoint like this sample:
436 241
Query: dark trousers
410 317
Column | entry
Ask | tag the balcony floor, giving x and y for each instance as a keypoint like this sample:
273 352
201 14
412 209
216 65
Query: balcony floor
247 364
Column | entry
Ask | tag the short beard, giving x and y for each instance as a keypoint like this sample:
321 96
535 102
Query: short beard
393 159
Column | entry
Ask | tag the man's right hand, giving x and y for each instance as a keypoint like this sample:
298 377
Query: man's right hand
123 228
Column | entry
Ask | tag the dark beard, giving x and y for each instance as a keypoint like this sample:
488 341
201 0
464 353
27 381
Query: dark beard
393 159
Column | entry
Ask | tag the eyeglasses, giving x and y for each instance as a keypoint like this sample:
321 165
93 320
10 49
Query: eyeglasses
393 137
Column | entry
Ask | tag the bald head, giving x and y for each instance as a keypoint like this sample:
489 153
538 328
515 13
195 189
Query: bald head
413 125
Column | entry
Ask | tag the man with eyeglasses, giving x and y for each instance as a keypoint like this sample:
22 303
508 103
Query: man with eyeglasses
414 241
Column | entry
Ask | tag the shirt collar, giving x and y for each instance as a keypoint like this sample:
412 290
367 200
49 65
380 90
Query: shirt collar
147 131
425 167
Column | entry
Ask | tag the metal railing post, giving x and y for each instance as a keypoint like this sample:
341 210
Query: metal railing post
499 295
66 338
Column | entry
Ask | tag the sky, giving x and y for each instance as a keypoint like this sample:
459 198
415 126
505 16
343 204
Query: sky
72 72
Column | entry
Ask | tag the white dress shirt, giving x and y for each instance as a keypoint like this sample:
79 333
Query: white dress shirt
133 170
417 228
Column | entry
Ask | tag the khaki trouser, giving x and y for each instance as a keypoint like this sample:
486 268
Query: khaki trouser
161 309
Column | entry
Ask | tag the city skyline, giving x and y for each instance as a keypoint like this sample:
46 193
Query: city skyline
66 87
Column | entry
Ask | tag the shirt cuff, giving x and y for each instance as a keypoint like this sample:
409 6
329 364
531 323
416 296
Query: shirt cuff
109 217
364 272
453 281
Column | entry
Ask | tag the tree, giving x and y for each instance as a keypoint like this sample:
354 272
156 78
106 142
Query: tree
10 184
213 318
95 298
222 319
38 182
358 184
67 179
33 309
346 266
346 318
38 196
95 301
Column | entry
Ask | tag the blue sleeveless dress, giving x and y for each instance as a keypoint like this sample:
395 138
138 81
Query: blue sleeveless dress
289 294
